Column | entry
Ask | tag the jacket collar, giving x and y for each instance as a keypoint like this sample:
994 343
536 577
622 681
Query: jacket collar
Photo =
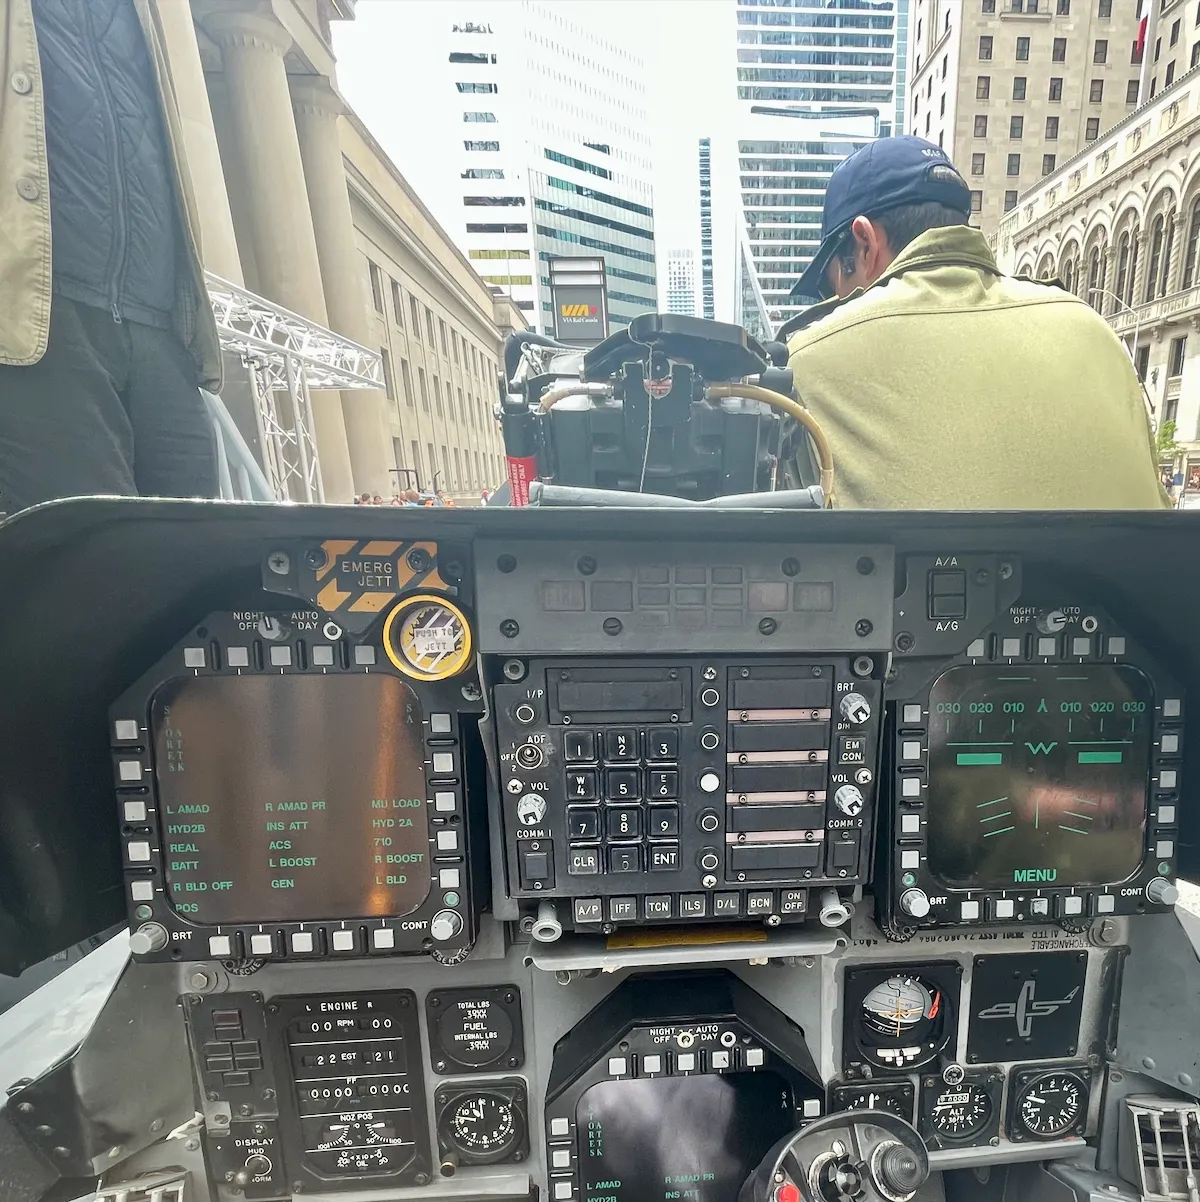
952 245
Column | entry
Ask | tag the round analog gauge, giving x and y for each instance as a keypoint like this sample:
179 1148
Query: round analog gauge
960 1111
476 1033
1051 1105
483 1127
901 1010
894 1098
428 638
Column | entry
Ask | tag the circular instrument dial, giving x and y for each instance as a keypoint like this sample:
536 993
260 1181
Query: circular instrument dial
428 638
476 1033
902 1009
960 1112
482 1127
1051 1105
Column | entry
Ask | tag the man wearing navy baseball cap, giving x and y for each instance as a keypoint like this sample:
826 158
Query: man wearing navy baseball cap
943 383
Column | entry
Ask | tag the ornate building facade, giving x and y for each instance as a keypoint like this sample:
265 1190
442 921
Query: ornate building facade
1119 224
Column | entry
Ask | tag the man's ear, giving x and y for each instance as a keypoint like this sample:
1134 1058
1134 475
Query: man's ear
871 244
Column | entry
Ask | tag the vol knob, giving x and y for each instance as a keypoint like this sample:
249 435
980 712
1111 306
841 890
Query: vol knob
531 809
849 800
914 903
149 937
855 708
445 925
1162 892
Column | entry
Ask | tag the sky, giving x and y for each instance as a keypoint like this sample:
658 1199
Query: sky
687 45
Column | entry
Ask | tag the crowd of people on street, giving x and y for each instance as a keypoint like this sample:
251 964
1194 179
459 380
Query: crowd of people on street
408 496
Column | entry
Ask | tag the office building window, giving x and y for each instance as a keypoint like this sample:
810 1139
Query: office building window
989 6
1051 128
424 389
462 409
437 395
1096 91
976 200
1019 83
429 328
941 138
1047 163
981 127
445 468
1016 127
397 304
1022 50
946 57
1056 87
454 344
1195 55
1014 164
432 465
1178 352
415 447
376 288
406 381
1105 10
983 85
1175 33
445 344
1131 88
1010 201
479 118
1193 240
928 121
1137 52
415 310
1100 51
985 49
977 163
1093 129
1058 52
389 384
459 482
943 108
1064 8
1170 76
1156 249
1157 48
1142 362
1153 87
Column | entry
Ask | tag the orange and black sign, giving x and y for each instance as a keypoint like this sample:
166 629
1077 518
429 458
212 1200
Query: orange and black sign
575 312
580 314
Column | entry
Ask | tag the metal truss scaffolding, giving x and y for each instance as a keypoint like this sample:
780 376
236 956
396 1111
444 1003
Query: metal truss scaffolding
288 356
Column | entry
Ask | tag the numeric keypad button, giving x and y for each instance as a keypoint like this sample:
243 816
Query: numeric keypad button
624 859
621 743
664 784
583 823
623 822
579 745
583 861
583 784
664 821
662 745
622 784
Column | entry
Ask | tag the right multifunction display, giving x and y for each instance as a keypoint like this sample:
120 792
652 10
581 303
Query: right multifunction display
1036 778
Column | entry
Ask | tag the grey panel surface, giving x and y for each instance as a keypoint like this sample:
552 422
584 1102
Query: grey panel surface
661 598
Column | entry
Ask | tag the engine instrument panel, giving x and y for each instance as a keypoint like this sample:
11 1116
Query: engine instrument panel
610 838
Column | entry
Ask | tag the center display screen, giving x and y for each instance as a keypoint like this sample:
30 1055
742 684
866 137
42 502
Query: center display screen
1038 774
694 1139
291 798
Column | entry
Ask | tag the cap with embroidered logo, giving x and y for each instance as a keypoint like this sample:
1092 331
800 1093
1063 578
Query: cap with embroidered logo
885 174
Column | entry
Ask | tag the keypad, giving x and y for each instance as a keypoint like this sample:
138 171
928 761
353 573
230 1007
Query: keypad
622 791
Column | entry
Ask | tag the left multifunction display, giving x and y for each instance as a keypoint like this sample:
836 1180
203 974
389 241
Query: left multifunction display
284 792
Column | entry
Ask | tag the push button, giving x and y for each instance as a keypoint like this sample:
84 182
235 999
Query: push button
727 905
587 910
624 822
621 784
658 905
579 745
664 784
664 857
662 745
621 744
693 905
535 868
582 784
664 820
624 859
760 903
583 823
947 594
622 909
583 861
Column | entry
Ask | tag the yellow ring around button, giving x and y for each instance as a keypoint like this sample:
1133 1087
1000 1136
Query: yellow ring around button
428 637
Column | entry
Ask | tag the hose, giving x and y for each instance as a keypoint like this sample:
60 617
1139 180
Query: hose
792 408
552 396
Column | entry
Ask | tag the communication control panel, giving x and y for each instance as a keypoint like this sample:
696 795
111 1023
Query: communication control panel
680 790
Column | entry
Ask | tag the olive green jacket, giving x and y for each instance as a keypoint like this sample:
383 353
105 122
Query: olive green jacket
25 244
948 385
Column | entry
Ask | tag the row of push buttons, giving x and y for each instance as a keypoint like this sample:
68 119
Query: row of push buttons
714 1061
659 906
621 744
1075 646
303 943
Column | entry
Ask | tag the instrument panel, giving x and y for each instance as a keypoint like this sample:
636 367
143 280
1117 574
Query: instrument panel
616 838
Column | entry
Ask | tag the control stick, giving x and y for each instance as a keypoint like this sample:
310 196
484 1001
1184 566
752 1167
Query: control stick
854 1156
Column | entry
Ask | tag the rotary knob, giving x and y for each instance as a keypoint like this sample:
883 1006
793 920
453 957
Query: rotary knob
1162 892
445 925
914 903
855 708
149 937
849 800
531 809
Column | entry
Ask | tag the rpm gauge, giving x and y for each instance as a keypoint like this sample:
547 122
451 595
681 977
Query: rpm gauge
960 1112
1050 1106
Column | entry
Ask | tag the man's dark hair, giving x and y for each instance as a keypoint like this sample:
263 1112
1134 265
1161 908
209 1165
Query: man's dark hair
901 225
